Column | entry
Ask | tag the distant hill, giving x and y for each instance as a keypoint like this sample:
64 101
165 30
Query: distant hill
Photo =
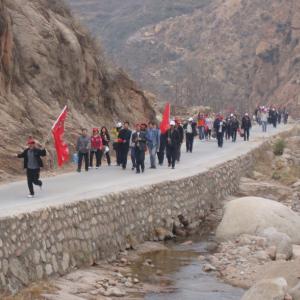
47 60
222 53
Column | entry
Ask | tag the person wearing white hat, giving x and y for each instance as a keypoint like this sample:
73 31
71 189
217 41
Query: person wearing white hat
173 141
190 133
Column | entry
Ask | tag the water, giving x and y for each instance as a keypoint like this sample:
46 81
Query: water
183 275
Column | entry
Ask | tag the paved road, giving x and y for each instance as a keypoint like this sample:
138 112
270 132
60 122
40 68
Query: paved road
86 185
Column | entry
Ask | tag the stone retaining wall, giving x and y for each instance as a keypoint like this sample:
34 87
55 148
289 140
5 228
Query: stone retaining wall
53 241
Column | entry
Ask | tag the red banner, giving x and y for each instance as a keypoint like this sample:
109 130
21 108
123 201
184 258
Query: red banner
165 123
58 130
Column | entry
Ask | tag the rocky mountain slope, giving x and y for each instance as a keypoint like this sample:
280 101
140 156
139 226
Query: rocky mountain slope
48 60
221 53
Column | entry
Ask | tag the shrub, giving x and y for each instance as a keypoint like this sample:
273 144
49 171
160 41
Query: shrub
278 147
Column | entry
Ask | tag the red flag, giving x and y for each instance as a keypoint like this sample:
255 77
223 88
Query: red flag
165 123
58 130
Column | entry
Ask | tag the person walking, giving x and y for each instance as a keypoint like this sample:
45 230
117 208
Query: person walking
220 127
33 164
124 141
209 126
201 126
83 149
180 130
139 138
246 126
173 140
285 117
153 140
96 148
190 133
234 125
264 119
116 144
273 117
105 141
162 148
132 147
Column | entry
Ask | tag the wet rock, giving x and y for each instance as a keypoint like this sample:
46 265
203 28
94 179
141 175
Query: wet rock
268 289
163 234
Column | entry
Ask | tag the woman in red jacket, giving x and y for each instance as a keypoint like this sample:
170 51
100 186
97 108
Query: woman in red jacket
96 148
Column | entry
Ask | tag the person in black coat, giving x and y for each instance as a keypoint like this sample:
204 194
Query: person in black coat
124 141
180 130
220 128
33 163
139 139
234 126
173 141
162 148
246 126
190 133
105 140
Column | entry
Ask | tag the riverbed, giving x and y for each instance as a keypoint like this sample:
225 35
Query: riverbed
181 275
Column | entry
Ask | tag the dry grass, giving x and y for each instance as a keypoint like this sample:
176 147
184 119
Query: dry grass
33 292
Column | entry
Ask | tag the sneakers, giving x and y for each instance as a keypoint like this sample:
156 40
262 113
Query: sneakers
30 196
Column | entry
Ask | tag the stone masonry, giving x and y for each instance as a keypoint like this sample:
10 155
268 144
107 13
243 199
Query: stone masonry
52 241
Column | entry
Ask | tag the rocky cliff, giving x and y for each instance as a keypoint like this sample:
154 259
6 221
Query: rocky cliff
48 60
223 53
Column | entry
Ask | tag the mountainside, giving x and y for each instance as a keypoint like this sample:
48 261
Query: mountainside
48 60
221 53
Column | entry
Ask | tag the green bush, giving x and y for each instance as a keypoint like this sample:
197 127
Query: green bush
278 147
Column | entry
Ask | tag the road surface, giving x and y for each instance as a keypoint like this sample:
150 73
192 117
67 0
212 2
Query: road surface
75 186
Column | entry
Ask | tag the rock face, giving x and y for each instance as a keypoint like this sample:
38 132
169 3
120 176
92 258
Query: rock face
199 51
269 289
251 215
48 60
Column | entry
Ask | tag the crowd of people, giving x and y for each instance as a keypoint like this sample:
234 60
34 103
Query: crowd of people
92 150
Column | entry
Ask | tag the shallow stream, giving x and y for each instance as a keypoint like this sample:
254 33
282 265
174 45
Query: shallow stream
181 275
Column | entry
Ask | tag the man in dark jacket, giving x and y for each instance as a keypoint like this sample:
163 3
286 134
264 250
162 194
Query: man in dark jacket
220 128
33 163
234 126
173 141
162 148
246 126
139 139
180 130
124 142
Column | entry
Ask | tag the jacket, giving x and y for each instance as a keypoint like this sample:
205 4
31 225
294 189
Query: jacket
105 139
181 133
173 138
83 144
139 140
124 136
219 126
153 137
38 153
246 123
96 143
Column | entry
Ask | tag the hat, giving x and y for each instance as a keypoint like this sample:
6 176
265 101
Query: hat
172 123
30 142
119 125
191 119
95 130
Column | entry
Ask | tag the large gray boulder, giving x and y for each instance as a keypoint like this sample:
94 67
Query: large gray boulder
268 289
282 242
252 215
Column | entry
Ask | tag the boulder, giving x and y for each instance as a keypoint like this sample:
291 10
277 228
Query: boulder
251 215
269 289
281 241
295 292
